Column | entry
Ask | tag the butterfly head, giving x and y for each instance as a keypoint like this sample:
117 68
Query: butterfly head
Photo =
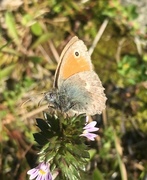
51 96
59 100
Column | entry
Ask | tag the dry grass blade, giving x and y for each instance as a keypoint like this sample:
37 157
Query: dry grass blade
98 36
122 167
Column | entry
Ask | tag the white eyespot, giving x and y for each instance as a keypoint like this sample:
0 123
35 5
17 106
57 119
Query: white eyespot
76 54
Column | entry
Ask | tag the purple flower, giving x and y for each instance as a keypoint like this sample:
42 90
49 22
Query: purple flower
41 172
88 129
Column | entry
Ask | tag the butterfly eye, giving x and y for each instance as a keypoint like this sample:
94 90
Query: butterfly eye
76 53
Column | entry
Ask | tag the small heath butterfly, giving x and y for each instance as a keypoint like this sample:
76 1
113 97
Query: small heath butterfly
77 88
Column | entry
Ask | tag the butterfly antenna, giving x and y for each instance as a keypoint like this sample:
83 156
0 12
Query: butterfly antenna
32 98
25 102
39 103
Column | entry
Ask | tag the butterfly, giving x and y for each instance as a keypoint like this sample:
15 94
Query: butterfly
76 88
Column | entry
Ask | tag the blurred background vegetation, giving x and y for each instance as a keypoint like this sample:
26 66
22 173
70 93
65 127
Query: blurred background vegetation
32 35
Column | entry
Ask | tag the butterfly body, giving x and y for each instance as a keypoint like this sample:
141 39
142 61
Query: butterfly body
77 88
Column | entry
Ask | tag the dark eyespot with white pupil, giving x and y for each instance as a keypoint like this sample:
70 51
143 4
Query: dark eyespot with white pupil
77 54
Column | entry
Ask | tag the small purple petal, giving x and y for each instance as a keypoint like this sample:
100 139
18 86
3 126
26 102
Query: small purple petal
48 177
90 136
91 124
88 129
32 176
31 171
39 177
92 129
41 172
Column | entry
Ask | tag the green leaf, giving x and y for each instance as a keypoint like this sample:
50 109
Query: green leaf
35 59
5 45
132 12
7 71
50 155
11 26
92 152
97 175
42 124
43 38
78 150
36 29
40 139
69 172
26 19
53 122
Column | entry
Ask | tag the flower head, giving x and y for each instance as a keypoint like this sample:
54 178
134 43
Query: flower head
88 129
41 172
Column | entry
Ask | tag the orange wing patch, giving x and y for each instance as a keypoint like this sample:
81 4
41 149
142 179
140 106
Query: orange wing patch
74 65
74 59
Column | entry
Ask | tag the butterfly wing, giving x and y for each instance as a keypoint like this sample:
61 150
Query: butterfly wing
79 89
84 92
74 59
